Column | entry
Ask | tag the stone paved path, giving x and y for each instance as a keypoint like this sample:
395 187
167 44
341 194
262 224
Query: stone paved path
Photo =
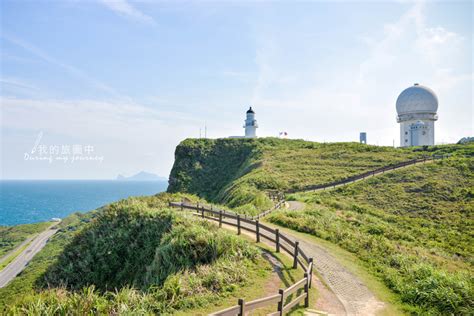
349 289
353 294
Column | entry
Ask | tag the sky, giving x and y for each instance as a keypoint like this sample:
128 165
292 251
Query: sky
118 84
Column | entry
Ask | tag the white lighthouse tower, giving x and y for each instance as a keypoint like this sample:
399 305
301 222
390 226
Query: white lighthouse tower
416 108
250 124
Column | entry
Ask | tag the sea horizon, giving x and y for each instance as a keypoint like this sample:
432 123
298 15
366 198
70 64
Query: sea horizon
26 201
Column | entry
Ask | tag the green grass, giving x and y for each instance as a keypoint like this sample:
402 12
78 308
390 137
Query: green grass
25 282
413 228
257 288
11 256
135 256
12 236
238 172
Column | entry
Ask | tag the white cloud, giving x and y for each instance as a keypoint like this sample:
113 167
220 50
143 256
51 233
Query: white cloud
131 137
88 118
124 8
17 83
74 71
335 103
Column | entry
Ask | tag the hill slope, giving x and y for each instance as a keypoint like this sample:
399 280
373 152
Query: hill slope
237 172
413 227
135 256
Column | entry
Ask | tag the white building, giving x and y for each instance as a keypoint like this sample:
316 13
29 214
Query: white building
250 124
416 108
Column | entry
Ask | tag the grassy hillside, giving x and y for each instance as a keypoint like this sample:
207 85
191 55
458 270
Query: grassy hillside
25 282
13 236
135 256
413 227
237 172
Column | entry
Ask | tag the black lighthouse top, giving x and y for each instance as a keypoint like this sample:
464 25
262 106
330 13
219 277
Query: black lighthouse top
250 110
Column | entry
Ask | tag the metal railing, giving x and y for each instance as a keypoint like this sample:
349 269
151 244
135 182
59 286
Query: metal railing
284 300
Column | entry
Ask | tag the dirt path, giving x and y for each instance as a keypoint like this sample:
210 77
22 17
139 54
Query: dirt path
349 290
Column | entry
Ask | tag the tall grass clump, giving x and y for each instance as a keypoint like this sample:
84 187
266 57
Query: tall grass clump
136 258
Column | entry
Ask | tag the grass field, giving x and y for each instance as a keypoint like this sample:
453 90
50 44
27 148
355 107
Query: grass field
413 228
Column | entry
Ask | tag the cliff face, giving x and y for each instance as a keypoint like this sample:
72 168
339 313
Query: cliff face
207 167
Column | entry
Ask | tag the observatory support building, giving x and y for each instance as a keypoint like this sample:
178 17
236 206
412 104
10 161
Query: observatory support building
416 108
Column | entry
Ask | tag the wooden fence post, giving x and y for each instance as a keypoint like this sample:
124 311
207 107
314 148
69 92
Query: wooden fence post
220 218
182 207
197 205
257 230
241 307
281 302
202 209
277 240
238 224
310 272
306 290
295 255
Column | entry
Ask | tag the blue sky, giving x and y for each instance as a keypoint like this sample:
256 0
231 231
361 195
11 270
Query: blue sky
132 79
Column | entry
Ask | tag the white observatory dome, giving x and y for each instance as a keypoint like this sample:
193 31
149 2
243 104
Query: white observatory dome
417 99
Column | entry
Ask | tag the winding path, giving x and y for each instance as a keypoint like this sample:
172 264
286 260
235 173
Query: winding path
356 298
348 295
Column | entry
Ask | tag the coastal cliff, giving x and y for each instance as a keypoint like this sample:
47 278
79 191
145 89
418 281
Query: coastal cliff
211 167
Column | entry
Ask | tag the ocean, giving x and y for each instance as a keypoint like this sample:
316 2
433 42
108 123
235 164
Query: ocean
30 201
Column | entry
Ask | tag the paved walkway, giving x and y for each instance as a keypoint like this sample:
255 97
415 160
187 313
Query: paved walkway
21 261
356 298
347 289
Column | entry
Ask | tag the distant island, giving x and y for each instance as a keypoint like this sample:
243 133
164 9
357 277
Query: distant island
142 176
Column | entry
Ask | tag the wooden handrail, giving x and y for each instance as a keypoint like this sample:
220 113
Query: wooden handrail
262 302
231 311
288 245
295 287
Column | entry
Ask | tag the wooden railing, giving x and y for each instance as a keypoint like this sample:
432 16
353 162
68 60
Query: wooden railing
284 300
366 174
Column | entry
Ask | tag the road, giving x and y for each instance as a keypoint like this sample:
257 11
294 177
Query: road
20 262
8 254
